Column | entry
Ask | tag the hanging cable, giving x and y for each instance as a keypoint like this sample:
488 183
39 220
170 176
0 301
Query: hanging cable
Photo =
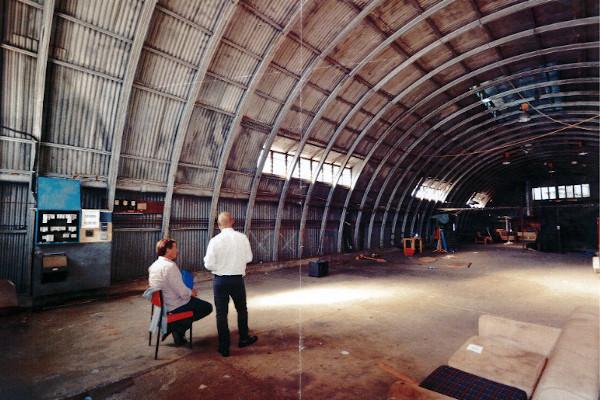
504 146
548 116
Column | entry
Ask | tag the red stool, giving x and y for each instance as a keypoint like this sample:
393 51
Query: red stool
157 301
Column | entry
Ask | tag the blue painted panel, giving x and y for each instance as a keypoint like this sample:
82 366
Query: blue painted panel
58 194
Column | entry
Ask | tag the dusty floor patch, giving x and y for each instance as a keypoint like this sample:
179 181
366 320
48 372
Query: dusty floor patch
321 337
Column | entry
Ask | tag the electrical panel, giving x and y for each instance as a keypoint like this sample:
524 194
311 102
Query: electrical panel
138 206
96 226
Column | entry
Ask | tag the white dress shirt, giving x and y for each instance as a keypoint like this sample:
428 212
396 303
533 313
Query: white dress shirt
164 275
228 253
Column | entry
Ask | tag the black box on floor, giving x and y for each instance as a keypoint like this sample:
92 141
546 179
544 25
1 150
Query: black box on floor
318 268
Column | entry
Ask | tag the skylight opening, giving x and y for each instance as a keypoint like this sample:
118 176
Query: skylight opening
479 200
280 164
432 189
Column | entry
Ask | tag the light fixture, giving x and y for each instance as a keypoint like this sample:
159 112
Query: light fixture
574 162
506 160
524 117
551 171
582 153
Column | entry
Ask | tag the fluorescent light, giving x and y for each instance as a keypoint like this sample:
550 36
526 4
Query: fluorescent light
583 153
505 162
574 162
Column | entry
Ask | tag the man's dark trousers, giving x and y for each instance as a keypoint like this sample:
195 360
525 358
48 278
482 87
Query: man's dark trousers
224 287
200 308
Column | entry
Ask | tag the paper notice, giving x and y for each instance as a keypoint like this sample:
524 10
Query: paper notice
475 348
90 219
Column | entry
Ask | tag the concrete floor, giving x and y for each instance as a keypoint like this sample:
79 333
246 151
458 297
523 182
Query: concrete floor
318 338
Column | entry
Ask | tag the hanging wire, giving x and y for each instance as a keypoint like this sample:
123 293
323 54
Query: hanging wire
548 116
515 143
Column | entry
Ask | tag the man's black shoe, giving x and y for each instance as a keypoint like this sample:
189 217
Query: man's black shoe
179 339
248 341
224 352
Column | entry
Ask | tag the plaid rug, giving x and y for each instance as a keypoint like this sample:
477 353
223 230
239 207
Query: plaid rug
464 386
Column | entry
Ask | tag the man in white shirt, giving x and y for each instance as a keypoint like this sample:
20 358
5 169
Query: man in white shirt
166 276
226 257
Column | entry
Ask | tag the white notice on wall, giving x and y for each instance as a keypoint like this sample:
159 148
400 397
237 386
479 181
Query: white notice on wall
90 219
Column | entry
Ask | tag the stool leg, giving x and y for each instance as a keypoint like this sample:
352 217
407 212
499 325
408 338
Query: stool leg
150 333
191 334
157 343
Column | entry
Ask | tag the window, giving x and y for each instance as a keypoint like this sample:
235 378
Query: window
346 179
432 189
478 200
585 190
281 164
327 172
561 192
570 192
268 168
305 169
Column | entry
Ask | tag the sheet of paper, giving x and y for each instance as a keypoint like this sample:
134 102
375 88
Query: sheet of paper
475 348
90 219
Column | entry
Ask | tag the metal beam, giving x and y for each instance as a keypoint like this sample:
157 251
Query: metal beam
408 186
558 138
498 64
468 134
122 108
38 121
40 80
226 13
493 158
445 134
492 169
449 174
236 125
435 112
424 16
425 214
284 110
482 21
470 53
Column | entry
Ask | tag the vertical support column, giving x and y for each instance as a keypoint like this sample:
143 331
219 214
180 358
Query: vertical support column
236 126
186 115
38 120
121 113
528 198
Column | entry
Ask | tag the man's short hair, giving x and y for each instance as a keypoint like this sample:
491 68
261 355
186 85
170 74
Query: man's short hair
163 245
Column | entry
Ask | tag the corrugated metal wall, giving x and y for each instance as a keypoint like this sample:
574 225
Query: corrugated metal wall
261 232
311 233
330 237
134 238
15 246
189 226
288 236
